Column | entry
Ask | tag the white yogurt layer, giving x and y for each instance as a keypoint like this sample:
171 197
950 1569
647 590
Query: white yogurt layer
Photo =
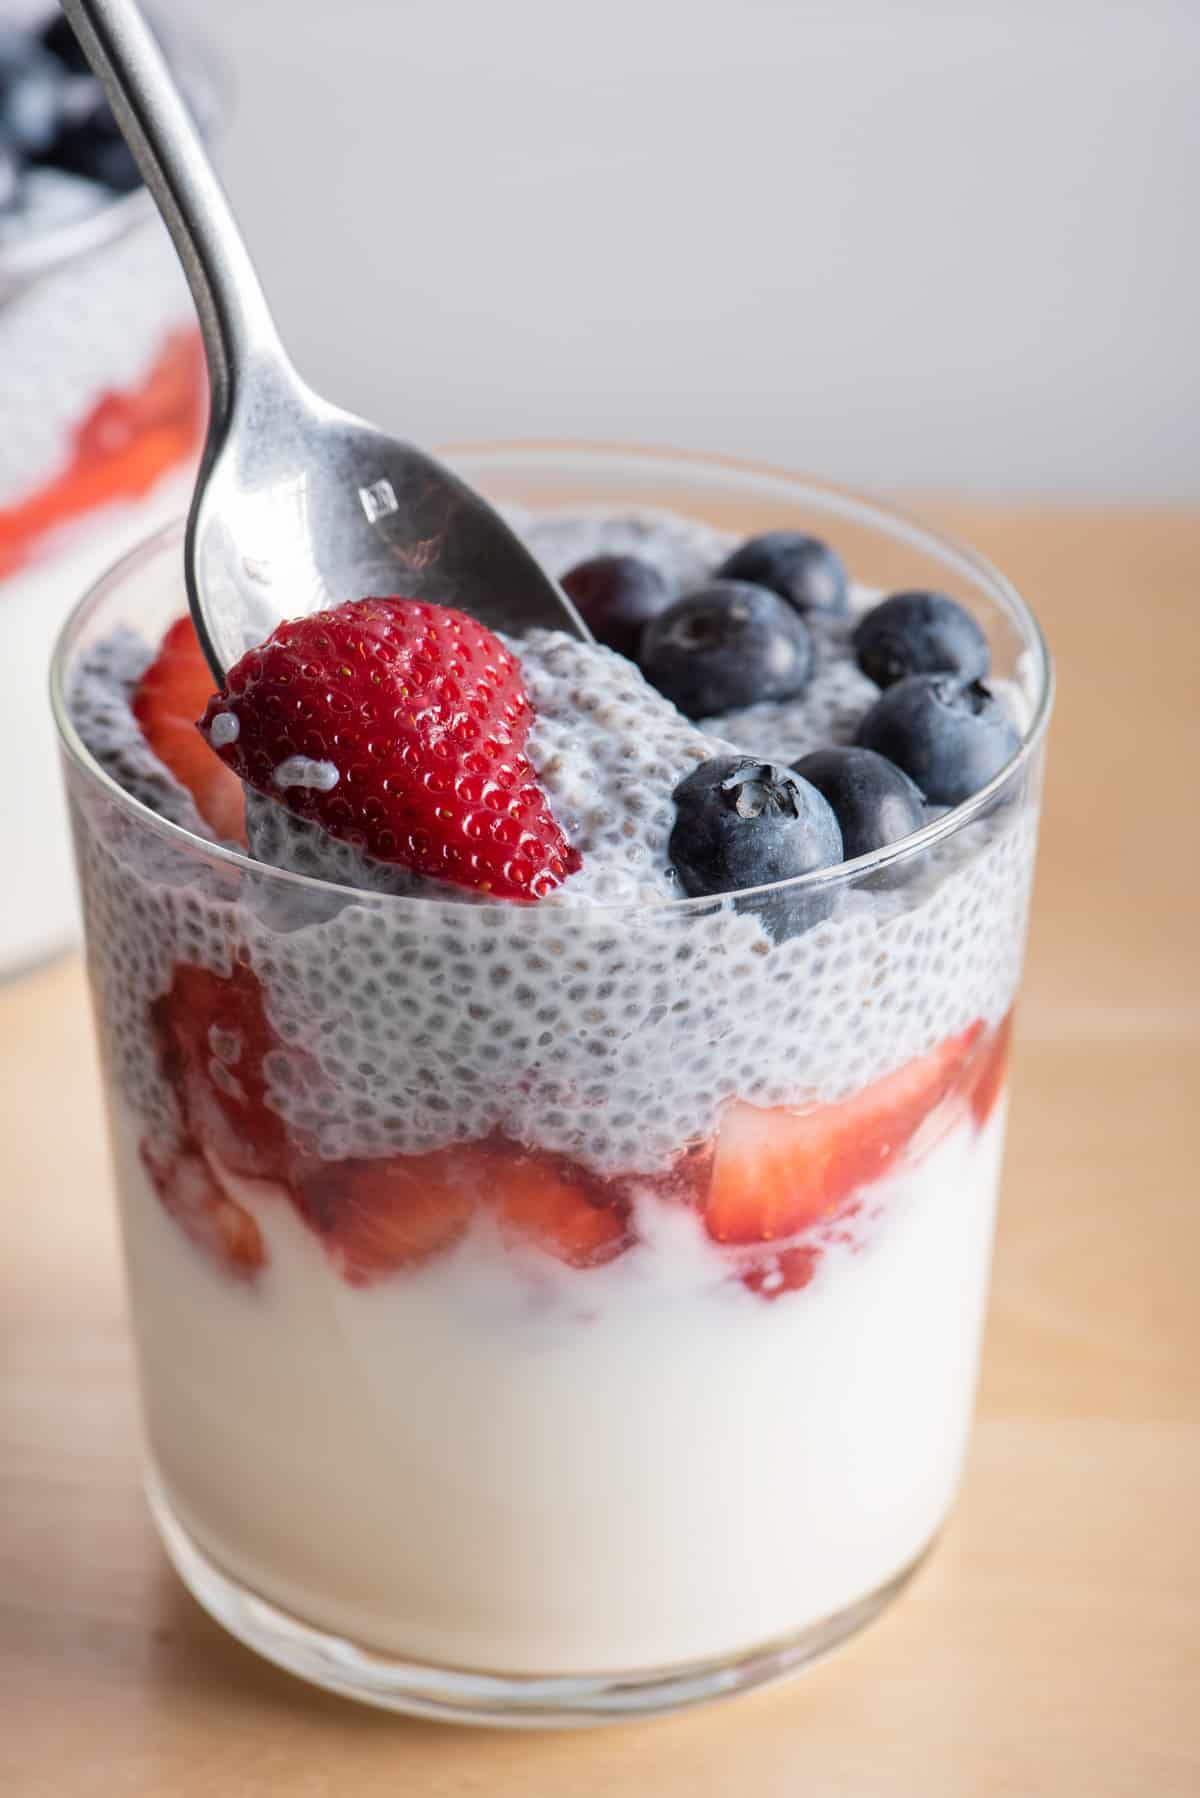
517 1467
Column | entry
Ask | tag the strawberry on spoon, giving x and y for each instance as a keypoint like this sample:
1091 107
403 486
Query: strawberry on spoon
398 726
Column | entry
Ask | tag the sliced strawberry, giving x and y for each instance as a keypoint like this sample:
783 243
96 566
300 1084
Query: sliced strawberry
375 1217
547 1201
876 1125
171 398
991 1070
213 1038
191 1195
398 726
124 446
167 701
779 1172
769 1173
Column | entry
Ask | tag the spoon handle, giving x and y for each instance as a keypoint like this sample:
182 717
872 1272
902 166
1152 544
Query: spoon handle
158 127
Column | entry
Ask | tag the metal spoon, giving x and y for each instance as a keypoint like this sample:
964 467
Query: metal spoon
298 505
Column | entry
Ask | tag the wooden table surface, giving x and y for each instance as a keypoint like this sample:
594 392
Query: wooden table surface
1052 1645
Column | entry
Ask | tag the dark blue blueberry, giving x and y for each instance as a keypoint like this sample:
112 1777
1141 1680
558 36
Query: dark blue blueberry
617 596
30 96
874 801
725 645
920 633
802 570
742 823
93 146
10 175
59 39
950 736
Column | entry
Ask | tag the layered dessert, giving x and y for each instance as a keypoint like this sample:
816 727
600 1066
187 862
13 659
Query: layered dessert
558 1090
104 412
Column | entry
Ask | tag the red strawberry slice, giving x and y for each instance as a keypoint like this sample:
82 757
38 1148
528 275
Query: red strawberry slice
399 727
778 1172
213 1037
375 1217
125 445
991 1070
769 1173
547 1201
878 1124
166 703
191 1195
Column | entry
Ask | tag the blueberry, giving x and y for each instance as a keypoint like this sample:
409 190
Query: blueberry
30 97
802 570
616 597
741 823
950 736
59 39
724 645
10 175
920 633
874 801
92 146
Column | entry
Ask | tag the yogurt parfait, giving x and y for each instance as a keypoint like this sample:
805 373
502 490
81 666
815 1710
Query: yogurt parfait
558 1088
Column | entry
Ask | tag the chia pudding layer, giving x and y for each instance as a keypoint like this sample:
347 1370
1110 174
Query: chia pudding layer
400 1033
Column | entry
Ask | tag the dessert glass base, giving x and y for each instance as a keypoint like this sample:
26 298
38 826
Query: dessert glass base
497 1701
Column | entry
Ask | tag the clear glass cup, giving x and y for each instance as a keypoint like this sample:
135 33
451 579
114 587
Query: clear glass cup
105 399
465 1393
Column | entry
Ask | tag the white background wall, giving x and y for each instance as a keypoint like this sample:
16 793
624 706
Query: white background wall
897 242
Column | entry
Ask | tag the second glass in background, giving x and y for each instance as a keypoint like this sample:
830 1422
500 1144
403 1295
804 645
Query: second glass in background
104 399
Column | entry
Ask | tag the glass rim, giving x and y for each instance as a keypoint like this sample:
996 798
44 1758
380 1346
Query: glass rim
864 509
28 259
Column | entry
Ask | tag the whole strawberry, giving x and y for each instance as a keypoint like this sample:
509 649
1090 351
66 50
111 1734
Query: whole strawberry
399 727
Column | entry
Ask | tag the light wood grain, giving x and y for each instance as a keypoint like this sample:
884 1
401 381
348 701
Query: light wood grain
1051 1646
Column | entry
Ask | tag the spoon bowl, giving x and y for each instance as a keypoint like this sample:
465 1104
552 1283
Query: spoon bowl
307 506
298 505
